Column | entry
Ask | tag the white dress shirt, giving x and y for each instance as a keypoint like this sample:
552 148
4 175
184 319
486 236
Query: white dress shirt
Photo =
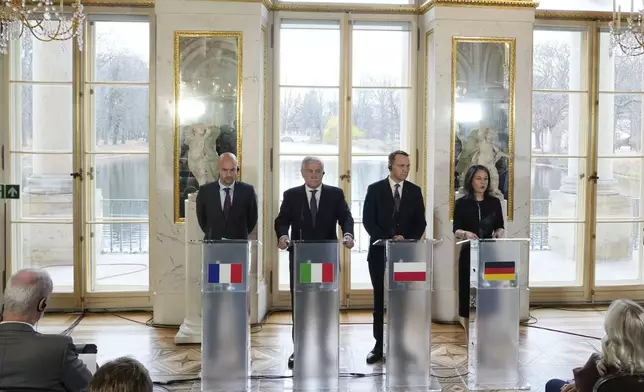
222 193
309 195
18 322
393 183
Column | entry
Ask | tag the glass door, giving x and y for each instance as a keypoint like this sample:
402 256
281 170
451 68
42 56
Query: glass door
116 153
618 247
382 122
78 149
321 64
309 120
43 135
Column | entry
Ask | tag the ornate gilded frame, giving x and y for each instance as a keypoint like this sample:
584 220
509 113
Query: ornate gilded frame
203 38
509 50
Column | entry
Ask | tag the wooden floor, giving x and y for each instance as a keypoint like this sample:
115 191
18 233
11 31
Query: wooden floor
555 342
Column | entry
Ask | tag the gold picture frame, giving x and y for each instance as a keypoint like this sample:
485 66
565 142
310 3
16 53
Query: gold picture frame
208 107
482 117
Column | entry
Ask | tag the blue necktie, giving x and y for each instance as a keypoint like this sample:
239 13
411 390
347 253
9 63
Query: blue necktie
314 206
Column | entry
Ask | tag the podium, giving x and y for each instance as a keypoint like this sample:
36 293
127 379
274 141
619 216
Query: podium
408 286
493 347
225 347
316 314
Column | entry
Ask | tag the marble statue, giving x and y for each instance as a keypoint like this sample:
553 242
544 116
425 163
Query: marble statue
202 152
481 148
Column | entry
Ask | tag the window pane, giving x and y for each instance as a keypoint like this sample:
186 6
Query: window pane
618 253
556 250
309 120
380 120
619 72
122 187
557 188
122 52
365 170
46 186
381 55
310 54
290 176
620 124
42 117
619 188
120 257
121 120
559 60
46 245
35 60
559 123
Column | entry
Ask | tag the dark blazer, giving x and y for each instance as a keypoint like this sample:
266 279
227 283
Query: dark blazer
295 213
379 220
29 359
466 216
243 212
587 375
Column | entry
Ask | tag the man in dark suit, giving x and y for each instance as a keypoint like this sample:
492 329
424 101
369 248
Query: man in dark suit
227 208
312 211
393 209
28 359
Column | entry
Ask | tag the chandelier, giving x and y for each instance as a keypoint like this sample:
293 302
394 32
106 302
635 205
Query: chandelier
45 21
628 38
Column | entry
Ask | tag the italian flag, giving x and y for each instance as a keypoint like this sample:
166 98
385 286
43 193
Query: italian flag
410 272
316 273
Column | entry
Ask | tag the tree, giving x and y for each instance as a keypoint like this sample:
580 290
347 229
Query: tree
551 71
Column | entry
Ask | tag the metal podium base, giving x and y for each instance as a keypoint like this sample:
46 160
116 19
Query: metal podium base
521 385
434 386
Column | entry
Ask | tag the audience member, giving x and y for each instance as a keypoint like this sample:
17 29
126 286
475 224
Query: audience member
622 349
121 375
29 359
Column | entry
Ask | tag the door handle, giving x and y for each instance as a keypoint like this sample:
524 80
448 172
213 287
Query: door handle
78 174
346 176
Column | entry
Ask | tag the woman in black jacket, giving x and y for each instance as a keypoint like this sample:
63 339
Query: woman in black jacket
478 214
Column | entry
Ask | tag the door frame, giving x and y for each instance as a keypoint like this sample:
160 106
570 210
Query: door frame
349 299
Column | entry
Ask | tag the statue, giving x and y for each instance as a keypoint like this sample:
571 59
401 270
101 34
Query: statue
481 148
202 152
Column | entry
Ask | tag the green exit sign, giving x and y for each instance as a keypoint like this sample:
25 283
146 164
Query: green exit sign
9 191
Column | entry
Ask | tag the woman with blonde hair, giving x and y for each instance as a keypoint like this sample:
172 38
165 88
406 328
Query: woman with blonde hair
622 349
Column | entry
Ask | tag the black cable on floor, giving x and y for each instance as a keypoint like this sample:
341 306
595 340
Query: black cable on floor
285 377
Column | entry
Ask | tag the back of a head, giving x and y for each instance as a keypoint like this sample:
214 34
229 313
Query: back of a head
27 291
623 345
121 375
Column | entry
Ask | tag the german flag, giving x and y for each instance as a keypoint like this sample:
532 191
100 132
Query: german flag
500 270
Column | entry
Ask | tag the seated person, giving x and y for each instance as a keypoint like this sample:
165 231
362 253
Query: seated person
121 375
622 349
29 359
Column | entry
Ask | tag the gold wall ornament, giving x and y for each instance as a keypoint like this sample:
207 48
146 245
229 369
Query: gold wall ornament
482 117
478 3
207 103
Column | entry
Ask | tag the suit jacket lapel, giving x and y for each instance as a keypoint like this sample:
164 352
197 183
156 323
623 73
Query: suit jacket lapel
322 203
405 195
306 208
218 198
388 197
236 197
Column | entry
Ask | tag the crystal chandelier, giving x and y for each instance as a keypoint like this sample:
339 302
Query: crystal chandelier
629 38
42 19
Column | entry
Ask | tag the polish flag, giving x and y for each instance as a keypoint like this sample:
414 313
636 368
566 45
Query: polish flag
410 272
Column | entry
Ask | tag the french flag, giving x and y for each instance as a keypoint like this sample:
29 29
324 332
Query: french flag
410 272
225 273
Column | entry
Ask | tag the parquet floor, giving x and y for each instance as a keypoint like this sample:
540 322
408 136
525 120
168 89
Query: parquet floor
545 351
